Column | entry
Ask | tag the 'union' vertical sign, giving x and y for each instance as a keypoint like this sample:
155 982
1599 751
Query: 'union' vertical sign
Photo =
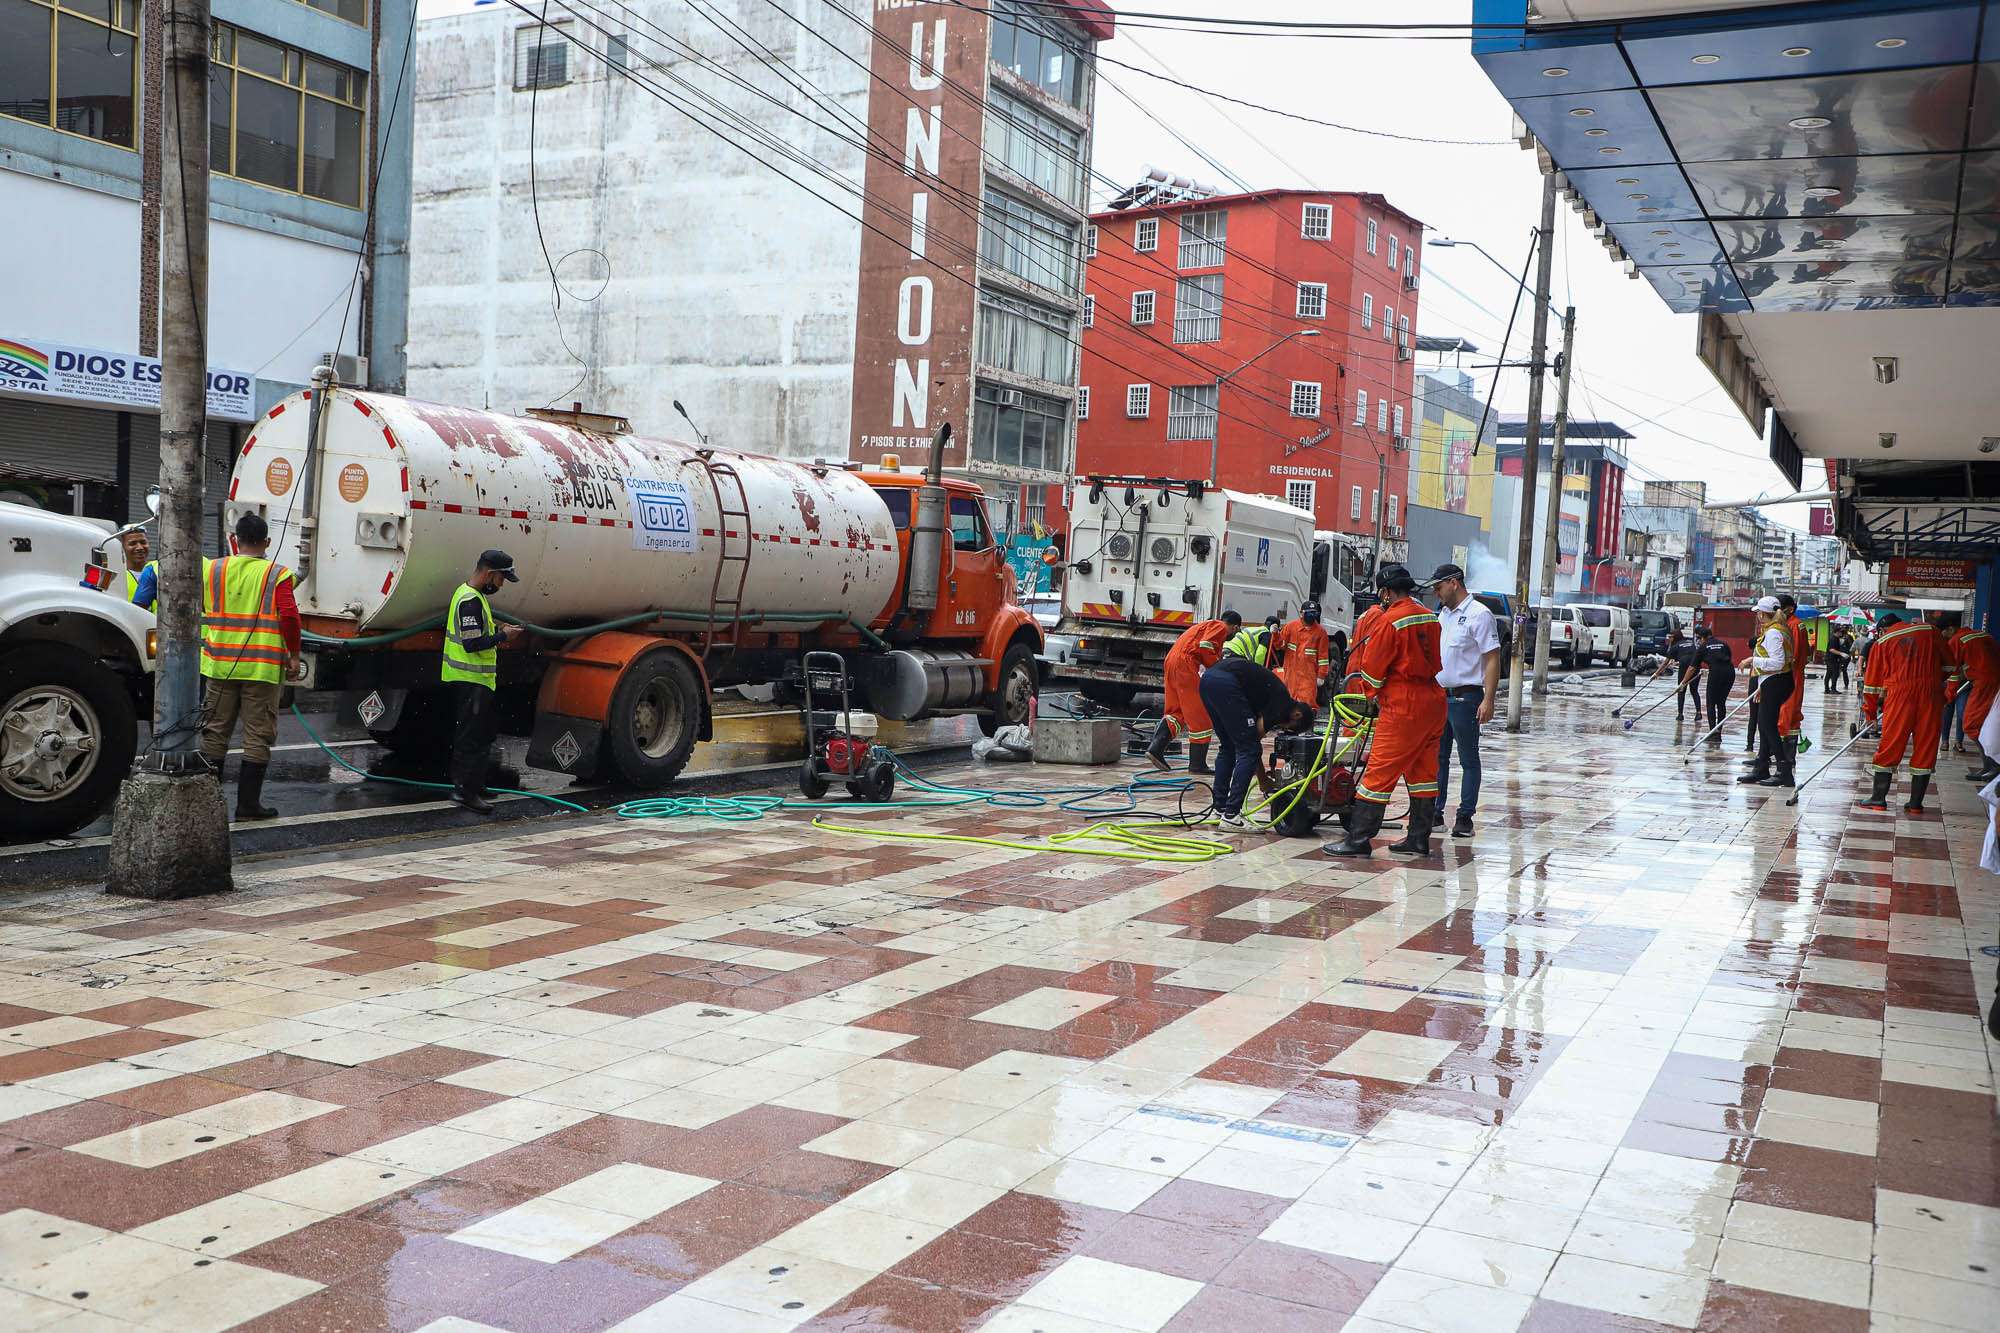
919 247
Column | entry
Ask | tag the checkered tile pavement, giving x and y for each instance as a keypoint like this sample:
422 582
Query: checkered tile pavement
1650 1051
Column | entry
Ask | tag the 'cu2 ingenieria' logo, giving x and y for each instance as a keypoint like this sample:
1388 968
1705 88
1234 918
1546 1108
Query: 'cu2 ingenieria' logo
18 361
665 514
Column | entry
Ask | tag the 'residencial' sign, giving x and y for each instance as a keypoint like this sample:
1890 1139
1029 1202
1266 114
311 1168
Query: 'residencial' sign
59 372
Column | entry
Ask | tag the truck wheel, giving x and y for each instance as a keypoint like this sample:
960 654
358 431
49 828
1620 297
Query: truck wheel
424 727
1009 705
655 714
1106 693
67 734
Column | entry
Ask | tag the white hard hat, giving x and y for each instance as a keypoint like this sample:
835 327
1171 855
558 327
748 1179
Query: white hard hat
1767 604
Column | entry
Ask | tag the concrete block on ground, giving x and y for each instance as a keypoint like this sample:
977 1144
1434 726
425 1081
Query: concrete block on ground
1078 740
170 838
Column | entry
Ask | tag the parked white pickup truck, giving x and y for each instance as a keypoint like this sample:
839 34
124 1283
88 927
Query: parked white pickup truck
76 670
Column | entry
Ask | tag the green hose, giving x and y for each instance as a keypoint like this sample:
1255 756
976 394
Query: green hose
412 782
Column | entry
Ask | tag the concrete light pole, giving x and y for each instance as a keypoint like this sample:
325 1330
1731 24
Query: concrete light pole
1531 457
1552 527
170 830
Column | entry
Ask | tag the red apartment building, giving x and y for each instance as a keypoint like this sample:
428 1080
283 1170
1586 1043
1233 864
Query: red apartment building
1269 332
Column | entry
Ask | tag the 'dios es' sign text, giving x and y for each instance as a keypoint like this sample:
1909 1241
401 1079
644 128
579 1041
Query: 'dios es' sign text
37 368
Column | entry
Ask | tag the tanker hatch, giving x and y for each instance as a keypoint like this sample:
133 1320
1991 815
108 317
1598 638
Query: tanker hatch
573 416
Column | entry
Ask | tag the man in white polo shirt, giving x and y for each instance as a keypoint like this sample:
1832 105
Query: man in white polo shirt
1471 678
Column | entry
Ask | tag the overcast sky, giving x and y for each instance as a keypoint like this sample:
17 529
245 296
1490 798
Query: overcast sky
1635 358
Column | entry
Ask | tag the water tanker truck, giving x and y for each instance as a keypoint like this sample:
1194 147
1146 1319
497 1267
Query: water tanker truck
653 570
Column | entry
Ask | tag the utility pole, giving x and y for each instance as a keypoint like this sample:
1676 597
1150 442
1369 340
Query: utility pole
170 831
1531 457
1381 495
1552 529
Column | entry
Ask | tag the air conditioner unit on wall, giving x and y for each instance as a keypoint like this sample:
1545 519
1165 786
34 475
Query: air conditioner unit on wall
1409 282
351 370
1396 530
1402 351
1402 443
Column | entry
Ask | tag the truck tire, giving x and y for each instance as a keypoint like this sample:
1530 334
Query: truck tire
424 727
654 718
68 731
1010 704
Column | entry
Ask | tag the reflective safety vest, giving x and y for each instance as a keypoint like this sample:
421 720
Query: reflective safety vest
480 666
241 637
132 582
1254 644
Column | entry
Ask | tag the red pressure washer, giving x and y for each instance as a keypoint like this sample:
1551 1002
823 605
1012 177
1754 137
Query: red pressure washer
833 752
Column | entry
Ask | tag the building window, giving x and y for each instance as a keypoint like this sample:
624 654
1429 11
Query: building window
618 51
1305 398
1035 46
1300 494
1090 242
1399 421
541 55
1393 518
1312 300
1035 508
1146 236
1373 228
1142 307
1388 322
1316 224
1203 237
282 118
1410 265
1089 312
1394 257
1382 415
1138 400
1403 330
1026 338
1354 504
1191 412
1029 243
72 69
1014 428
1033 144
1374 505
1083 402
1367 310
1198 309
1361 408
354 11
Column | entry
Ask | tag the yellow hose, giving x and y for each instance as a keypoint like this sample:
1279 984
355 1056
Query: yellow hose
1130 841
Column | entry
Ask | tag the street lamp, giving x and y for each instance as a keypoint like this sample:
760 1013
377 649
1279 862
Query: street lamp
1446 243
1215 437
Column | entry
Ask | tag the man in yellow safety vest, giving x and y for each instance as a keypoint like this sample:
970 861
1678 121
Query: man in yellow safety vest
249 644
142 574
471 671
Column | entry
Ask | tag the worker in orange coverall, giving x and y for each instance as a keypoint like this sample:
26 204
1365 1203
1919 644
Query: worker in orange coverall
1976 657
1398 663
1193 653
1904 687
1792 713
1306 655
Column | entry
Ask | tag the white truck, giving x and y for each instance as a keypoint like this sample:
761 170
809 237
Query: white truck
76 670
1149 557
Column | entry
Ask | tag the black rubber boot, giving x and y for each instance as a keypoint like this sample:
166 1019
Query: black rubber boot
1878 798
1423 818
1757 776
1985 773
250 792
1919 784
1783 777
1362 826
1198 758
1156 749
472 801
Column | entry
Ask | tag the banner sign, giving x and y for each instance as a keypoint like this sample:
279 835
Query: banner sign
1915 572
1819 520
58 372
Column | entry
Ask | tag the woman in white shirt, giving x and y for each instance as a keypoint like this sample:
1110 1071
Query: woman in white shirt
1770 662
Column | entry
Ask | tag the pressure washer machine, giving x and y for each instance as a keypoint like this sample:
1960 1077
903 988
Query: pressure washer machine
833 752
1314 774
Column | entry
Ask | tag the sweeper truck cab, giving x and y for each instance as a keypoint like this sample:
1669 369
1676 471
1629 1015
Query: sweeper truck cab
653 570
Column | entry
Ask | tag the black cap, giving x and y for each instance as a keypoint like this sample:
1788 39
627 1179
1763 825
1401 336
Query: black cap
1447 571
501 563
1395 578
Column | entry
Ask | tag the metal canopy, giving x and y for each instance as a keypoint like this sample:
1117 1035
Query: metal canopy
1921 509
1832 156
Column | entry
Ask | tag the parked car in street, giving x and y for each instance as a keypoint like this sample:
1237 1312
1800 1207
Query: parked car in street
1650 631
1604 631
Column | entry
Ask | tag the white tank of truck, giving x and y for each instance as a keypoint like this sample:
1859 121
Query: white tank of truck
601 523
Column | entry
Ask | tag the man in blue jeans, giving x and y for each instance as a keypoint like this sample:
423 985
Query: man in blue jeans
1470 650
1243 699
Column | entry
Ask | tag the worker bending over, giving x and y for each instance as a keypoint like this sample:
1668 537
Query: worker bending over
1398 664
1304 655
249 644
471 671
1245 699
1770 665
1976 658
1904 687
1198 648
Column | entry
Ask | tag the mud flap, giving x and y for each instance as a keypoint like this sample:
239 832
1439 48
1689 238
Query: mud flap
571 745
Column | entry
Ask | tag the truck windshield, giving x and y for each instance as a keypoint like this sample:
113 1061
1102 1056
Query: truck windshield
968 524
898 500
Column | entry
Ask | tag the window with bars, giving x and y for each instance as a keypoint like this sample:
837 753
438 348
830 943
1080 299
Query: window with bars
1354 504
1367 310
1394 256
1301 494
1142 307
1374 505
1203 238
1403 330
1138 400
71 67
1410 263
1399 418
541 55
1090 242
1312 300
1082 402
1305 398
1191 412
1361 407
285 119
1373 229
1146 235
1316 223
1089 312
1198 309
1382 415
1394 517
1388 322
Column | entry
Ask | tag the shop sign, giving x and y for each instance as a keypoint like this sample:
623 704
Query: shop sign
1916 572
58 372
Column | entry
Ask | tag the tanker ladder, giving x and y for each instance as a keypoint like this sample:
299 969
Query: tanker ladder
727 609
